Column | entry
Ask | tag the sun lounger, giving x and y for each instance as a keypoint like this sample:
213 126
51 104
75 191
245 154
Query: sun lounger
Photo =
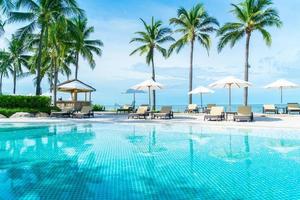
208 108
64 113
270 108
86 111
293 108
142 112
192 108
216 113
124 109
165 112
244 113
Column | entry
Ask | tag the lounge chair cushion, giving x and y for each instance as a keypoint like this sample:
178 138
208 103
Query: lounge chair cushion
269 107
244 111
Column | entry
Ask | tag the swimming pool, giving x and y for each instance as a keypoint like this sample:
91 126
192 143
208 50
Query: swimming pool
126 161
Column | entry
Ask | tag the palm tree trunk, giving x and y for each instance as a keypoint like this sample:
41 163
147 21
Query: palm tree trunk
77 65
55 85
1 78
51 78
153 77
246 73
15 80
39 63
191 72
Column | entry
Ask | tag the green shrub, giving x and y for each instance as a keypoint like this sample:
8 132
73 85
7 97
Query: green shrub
10 104
14 101
97 107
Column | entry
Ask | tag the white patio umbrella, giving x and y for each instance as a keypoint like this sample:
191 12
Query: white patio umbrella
281 84
148 85
201 90
230 82
132 91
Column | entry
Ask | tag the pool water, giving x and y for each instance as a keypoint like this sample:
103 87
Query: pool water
121 161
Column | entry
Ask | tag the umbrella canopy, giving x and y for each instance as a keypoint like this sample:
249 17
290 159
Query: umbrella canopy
148 85
281 84
201 90
230 82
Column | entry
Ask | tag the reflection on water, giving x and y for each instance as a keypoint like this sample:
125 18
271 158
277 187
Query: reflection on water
104 161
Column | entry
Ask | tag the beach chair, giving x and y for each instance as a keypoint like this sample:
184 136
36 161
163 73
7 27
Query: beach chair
192 108
124 109
293 108
85 111
64 113
216 113
244 113
165 112
270 108
142 112
208 108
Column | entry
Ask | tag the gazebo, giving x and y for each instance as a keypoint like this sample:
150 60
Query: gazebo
74 87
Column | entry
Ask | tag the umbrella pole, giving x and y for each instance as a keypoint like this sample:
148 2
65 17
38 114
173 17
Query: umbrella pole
229 108
201 100
133 100
281 95
149 98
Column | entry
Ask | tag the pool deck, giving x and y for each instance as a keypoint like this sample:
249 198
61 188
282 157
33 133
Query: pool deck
261 121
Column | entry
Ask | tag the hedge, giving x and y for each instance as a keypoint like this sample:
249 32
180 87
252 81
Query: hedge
35 102
10 104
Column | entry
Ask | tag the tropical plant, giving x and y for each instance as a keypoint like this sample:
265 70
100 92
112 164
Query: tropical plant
251 15
41 14
81 43
6 6
4 69
16 58
151 39
194 25
59 52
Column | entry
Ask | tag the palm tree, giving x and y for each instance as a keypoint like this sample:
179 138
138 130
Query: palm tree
251 15
194 25
6 6
41 14
83 46
151 39
4 69
60 52
16 58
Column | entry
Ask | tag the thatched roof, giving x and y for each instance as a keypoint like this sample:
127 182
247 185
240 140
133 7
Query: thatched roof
75 85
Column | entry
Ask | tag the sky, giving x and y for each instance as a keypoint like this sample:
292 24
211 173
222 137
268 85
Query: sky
115 23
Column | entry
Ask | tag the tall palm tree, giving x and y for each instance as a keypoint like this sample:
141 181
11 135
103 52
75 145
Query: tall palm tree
41 14
151 39
4 69
194 25
16 58
6 6
60 52
251 15
83 46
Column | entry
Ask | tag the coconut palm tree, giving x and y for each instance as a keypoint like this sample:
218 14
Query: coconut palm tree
193 25
41 14
6 6
4 69
83 46
151 39
251 16
60 52
16 58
